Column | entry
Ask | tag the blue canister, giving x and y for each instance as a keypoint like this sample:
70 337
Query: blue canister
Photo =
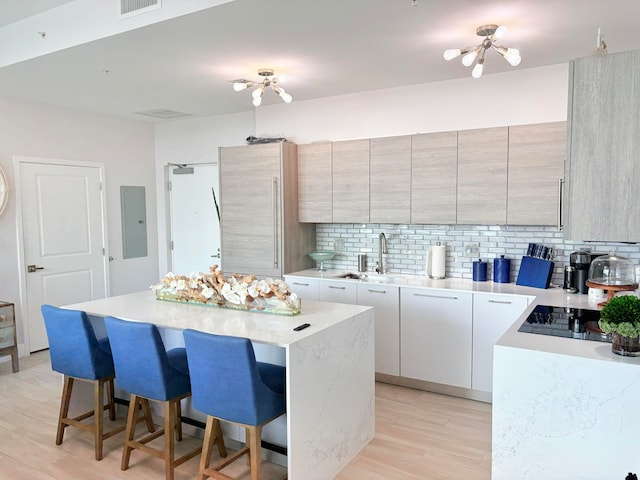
501 269
479 271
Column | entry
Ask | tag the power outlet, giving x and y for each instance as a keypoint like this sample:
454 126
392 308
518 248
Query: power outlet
338 245
471 249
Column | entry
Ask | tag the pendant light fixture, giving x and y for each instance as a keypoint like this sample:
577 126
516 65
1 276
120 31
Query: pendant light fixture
476 55
268 81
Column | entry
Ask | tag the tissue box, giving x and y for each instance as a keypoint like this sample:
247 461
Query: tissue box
535 272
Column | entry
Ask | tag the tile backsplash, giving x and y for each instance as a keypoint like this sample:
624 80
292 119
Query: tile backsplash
408 244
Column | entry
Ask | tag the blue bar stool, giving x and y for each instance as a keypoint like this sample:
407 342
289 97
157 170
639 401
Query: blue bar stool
146 370
228 384
79 355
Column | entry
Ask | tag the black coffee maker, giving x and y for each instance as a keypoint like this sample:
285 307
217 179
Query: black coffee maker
581 261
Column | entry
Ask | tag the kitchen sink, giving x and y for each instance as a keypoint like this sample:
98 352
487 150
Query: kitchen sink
373 278
353 276
382 279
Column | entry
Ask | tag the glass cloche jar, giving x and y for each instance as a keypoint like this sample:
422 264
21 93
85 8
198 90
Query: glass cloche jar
612 270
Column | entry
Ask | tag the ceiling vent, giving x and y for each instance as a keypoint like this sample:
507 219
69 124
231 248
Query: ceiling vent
163 113
135 7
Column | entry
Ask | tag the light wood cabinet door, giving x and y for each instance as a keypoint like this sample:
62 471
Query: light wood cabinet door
351 181
536 165
603 178
435 336
249 198
315 186
492 317
390 180
259 211
482 176
434 177
386 301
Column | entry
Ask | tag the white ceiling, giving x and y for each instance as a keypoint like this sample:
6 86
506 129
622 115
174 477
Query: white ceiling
322 47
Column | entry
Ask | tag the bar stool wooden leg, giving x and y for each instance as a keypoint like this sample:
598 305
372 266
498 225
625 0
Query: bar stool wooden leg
178 423
212 434
146 411
254 443
170 426
110 400
98 409
64 408
130 431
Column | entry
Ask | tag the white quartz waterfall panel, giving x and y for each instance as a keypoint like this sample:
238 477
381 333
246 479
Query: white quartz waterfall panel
331 396
560 417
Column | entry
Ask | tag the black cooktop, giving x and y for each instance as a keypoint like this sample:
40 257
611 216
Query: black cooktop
565 322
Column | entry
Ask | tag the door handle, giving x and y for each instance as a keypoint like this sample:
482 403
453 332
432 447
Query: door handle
33 268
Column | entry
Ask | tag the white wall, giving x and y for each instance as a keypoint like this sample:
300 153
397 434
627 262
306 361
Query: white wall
126 149
517 97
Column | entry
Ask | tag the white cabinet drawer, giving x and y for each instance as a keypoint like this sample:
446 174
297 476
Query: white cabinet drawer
338 292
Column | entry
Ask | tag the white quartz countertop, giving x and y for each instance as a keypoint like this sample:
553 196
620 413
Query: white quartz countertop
271 329
512 338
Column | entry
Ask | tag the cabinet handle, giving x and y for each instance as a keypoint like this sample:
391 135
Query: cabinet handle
301 284
376 291
560 202
338 288
434 296
506 302
274 204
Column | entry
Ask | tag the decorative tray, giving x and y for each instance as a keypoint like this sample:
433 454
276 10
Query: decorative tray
239 292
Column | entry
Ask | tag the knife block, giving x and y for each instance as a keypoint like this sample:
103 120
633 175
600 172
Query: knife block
535 272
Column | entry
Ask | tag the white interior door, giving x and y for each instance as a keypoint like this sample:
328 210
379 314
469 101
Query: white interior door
195 226
63 239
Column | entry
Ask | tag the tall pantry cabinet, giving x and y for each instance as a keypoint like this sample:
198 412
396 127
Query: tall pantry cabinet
602 170
260 230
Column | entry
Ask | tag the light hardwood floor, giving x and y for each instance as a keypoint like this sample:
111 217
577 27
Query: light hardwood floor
419 435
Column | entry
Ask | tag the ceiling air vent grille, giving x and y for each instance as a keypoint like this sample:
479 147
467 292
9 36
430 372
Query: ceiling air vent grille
134 7
163 113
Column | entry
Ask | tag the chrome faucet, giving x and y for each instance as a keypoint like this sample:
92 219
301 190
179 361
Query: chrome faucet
382 248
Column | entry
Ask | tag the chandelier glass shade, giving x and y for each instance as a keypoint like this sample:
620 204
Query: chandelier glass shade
475 55
268 81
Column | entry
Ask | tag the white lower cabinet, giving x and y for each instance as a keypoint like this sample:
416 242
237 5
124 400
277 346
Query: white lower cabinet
338 292
492 317
386 301
436 336
305 288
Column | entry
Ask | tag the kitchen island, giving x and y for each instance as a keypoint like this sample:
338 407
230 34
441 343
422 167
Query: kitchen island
563 408
330 368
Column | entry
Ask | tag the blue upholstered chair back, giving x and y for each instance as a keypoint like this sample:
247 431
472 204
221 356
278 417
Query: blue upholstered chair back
143 366
226 380
73 346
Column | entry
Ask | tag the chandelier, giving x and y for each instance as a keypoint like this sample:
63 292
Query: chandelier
472 55
268 81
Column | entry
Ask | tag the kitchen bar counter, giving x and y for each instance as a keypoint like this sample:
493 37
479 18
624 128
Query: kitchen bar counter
330 368
563 408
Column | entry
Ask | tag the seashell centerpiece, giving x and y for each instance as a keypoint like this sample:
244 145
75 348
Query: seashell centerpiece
242 292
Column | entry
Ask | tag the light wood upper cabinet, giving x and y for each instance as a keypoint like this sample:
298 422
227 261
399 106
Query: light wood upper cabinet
390 180
315 185
482 176
434 166
258 209
536 164
603 168
351 181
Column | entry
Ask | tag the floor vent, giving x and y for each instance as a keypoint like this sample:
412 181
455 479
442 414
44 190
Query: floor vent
163 113
134 7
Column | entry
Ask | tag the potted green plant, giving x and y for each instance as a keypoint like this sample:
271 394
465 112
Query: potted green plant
620 317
